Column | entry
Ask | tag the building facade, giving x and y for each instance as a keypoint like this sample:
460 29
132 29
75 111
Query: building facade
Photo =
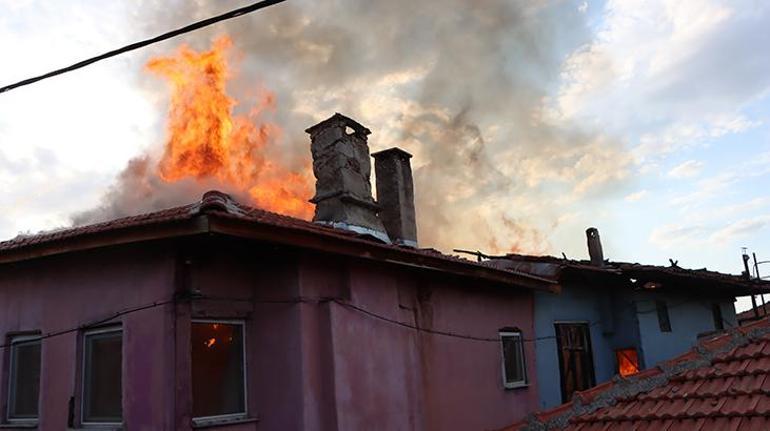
619 318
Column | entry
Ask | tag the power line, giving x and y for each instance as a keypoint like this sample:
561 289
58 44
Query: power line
316 301
141 44
99 321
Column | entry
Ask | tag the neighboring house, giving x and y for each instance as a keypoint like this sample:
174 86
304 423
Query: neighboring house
614 317
722 385
227 317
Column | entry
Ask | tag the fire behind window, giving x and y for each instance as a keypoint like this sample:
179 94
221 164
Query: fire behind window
628 361
217 369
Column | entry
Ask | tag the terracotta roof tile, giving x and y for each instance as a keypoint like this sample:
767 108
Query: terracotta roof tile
722 385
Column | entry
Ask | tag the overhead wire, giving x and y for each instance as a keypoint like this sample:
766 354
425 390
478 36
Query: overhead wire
141 44
320 300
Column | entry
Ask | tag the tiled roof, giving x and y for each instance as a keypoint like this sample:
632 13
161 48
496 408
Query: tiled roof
221 205
721 384
673 273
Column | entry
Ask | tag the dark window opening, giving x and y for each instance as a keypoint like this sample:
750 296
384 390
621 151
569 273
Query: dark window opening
628 361
663 321
24 379
218 369
102 380
576 366
716 312
514 366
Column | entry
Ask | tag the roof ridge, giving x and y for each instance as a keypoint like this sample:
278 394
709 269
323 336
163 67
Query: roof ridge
609 393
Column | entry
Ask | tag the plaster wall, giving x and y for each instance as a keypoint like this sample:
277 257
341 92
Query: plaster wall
311 363
689 317
609 330
65 292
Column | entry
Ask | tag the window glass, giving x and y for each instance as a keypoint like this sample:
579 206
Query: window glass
24 379
218 369
628 361
514 372
102 382
663 320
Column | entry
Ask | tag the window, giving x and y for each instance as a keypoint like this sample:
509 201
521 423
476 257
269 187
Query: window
24 379
102 381
514 366
628 361
218 370
576 364
663 320
716 313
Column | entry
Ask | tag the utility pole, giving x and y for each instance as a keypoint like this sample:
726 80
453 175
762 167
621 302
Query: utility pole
747 274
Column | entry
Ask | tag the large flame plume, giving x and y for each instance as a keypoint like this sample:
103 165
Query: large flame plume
207 141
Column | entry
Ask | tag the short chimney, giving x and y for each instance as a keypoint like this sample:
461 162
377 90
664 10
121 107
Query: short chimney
395 194
342 169
595 246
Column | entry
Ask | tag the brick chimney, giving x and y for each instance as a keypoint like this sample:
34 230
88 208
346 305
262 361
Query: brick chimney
595 246
395 194
342 169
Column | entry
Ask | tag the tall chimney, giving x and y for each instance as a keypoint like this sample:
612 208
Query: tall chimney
342 169
595 246
395 194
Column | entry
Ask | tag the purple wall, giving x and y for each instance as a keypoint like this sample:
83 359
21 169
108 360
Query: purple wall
311 364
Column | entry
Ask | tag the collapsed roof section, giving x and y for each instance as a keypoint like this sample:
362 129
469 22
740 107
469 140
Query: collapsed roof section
631 275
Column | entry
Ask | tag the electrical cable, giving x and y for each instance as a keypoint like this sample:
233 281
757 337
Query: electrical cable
305 300
141 44
98 322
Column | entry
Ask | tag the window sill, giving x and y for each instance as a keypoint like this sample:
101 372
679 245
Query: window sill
516 386
19 425
214 422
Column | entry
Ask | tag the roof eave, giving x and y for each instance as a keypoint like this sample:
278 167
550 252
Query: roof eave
213 222
372 251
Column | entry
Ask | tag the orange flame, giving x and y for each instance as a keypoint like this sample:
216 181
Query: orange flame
210 342
628 361
206 140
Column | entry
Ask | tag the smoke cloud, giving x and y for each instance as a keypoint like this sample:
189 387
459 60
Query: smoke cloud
461 85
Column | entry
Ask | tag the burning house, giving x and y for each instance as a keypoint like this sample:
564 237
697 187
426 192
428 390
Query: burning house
620 318
220 315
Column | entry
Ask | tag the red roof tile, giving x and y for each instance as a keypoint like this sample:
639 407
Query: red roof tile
722 384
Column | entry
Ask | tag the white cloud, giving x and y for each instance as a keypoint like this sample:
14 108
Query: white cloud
739 229
688 169
657 73
671 235
636 196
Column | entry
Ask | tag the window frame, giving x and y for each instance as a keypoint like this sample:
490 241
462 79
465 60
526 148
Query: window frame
717 316
503 333
205 420
13 341
86 334
664 317
590 356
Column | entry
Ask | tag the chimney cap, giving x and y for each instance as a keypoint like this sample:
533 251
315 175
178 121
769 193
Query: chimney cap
341 120
395 150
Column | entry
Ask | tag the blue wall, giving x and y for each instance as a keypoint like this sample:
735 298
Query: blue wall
688 316
579 304
632 322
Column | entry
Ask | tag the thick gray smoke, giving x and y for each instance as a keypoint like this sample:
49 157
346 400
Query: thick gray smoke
460 84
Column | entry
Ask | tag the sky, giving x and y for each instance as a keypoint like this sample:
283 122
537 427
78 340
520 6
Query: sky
529 122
